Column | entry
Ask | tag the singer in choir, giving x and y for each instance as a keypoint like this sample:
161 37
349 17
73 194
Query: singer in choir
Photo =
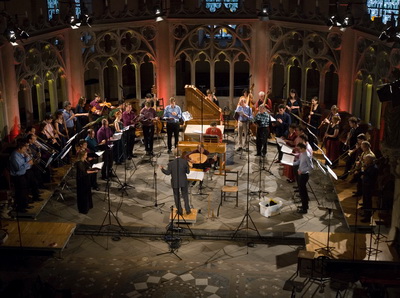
129 119
148 116
262 120
245 115
173 115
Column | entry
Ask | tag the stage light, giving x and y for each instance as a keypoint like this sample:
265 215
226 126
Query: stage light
87 20
74 22
12 37
264 13
333 21
158 14
348 21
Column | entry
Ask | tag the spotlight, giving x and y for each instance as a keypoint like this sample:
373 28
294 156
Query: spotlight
23 34
74 22
264 14
333 21
12 37
158 14
87 20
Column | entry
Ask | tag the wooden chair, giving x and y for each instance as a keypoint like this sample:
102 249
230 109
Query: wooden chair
210 139
231 187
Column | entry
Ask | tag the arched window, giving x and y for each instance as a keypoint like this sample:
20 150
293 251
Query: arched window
384 9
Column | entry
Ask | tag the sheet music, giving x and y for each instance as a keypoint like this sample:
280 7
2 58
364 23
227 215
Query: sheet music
197 131
187 116
117 136
331 172
280 141
287 159
286 149
195 175
98 165
272 119
99 153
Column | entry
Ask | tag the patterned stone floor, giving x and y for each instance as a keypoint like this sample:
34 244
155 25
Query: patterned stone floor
97 266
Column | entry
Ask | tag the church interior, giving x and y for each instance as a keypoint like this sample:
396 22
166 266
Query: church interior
282 117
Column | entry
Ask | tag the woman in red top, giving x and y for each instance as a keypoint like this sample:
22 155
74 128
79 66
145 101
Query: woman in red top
215 131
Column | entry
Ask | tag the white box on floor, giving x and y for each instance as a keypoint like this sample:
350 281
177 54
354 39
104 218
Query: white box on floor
267 210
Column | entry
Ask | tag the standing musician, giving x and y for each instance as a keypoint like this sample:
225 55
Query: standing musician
96 108
36 155
104 135
172 114
282 124
178 169
247 96
359 166
148 98
214 131
314 120
265 100
353 133
245 115
81 114
69 119
262 120
293 105
211 97
84 175
305 166
49 133
332 140
353 155
118 149
148 115
129 119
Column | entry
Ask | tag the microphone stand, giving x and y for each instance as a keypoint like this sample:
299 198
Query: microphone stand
124 186
261 168
247 215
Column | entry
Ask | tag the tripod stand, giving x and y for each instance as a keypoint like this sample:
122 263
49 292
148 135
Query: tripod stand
247 215
261 168
124 186
174 242
110 214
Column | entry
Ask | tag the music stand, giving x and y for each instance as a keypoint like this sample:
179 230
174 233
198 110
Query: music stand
261 168
327 249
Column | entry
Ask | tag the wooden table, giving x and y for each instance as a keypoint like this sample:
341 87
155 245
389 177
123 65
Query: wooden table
186 146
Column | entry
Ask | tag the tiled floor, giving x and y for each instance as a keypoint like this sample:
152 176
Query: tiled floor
98 266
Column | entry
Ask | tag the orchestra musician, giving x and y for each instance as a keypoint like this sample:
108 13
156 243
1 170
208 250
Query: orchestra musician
290 141
331 139
148 98
118 149
60 128
83 183
314 119
81 114
353 154
178 168
293 105
36 155
211 97
69 119
23 177
305 166
245 115
262 120
172 114
215 131
247 96
281 125
91 140
49 133
148 116
265 100
360 166
96 108
199 159
91 159
104 136
129 119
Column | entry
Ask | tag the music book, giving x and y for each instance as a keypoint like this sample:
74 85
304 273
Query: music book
116 136
98 165
287 159
187 116
286 149
195 176
280 141
99 153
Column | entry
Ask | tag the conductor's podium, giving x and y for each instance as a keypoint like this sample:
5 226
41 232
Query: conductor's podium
188 219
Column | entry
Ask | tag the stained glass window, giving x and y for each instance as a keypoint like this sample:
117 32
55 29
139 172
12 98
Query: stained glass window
384 9
53 8
213 5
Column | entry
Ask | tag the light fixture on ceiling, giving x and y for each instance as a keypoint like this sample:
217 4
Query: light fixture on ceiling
264 13
74 22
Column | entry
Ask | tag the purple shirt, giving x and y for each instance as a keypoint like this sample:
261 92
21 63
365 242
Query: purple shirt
104 133
148 116
96 105
127 118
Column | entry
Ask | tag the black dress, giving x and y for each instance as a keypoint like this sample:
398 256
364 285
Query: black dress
83 187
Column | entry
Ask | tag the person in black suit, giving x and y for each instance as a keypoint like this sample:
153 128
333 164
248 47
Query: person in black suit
178 168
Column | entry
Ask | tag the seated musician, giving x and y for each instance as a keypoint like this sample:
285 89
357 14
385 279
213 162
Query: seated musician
148 98
214 131
199 158
211 97
91 141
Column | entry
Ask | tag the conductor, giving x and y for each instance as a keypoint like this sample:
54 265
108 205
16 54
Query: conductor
178 168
